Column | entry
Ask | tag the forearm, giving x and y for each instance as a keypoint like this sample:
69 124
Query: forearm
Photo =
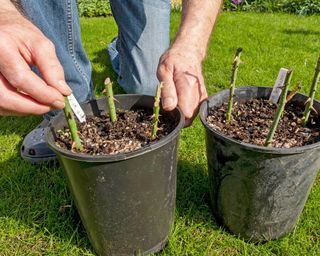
198 19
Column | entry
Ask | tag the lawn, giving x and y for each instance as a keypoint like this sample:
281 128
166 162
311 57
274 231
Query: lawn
37 215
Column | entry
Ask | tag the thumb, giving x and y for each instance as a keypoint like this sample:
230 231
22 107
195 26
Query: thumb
168 92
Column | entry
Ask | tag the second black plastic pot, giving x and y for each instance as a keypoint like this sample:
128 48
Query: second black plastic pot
256 192
126 201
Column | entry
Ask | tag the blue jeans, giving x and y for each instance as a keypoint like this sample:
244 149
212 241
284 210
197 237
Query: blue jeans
143 36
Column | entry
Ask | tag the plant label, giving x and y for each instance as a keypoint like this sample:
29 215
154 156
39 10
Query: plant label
77 110
277 88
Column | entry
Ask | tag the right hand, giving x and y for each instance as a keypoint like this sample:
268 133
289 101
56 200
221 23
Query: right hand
180 70
22 92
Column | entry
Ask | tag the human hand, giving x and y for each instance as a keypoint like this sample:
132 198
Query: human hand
22 92
183 83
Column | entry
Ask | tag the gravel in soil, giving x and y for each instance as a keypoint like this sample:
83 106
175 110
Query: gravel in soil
99 136
251 122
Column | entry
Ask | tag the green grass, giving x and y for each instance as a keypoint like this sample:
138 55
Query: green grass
30 196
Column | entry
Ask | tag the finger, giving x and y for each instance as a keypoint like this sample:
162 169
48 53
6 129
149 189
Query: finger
188 94
168 92
14 103
19 75
45 58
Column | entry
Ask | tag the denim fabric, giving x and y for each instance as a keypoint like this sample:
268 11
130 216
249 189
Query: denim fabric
114 55
143 36
58 20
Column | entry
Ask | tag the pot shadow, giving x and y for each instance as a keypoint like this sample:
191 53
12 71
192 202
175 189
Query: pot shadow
39 198
193 199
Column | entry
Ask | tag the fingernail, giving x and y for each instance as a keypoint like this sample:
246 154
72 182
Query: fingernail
168 102
58 104
66 86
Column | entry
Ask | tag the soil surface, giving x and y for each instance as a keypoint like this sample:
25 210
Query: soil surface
251 122
132 131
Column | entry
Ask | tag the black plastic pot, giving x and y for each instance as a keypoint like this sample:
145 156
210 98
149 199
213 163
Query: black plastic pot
256 192
126 201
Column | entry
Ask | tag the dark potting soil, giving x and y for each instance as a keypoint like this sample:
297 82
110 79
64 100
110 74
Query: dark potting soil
251 122
99 136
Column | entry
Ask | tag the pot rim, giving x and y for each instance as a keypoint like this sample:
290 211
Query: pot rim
119 156
270 150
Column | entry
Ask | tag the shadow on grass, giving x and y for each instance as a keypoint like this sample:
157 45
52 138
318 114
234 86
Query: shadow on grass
301 32
193 199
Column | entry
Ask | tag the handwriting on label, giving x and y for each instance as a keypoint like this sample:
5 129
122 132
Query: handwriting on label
77 110
277 88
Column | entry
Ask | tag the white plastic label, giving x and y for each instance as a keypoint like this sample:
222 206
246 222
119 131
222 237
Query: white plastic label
277 88
77 110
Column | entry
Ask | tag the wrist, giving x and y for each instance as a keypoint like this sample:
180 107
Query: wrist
189 49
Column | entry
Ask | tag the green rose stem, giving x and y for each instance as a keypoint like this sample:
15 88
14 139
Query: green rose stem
110 99
280 109
72 125
294 91
156 111
235 66
309 103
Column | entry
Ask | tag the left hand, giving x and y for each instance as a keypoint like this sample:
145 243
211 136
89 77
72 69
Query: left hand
183 83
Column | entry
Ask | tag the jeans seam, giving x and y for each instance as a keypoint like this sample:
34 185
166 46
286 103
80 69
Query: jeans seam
71 42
